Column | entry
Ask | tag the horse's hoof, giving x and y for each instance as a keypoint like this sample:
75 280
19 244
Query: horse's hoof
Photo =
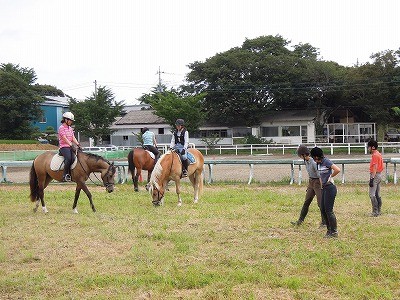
45 209
179 204
136 190
75 211
35 209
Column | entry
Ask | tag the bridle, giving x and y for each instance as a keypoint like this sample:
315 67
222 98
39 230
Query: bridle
106 184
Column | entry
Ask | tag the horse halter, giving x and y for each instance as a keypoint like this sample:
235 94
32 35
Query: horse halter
159 197
108 183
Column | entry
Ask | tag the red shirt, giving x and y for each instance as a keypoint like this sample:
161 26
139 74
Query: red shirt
377 160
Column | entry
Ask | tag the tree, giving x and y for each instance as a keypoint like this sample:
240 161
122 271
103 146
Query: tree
170 106
243 84
94 115
19 103
373 89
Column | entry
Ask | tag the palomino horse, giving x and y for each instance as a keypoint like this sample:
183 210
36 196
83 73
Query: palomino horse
42 174
140 159
169 167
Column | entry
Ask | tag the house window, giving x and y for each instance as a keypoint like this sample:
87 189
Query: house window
160 130
290 130
269 131
241 131
43 120
125 137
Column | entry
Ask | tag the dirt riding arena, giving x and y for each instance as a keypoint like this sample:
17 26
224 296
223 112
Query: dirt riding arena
262 173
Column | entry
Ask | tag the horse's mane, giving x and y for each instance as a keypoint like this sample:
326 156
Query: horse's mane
157 172
96 157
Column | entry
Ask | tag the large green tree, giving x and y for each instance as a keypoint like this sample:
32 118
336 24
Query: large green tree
245 83
171 105
95 115
373 89
19 102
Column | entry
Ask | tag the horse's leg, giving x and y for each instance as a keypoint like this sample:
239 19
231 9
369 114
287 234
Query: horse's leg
178 191
194 180
136 180
42 184
89 195
77 193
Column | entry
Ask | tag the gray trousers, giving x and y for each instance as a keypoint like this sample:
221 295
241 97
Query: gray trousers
375 194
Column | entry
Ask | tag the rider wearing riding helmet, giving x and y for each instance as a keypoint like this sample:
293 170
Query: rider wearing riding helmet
66 139
180 142
150 143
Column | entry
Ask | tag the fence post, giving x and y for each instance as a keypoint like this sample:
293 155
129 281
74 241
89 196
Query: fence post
331 149
348 149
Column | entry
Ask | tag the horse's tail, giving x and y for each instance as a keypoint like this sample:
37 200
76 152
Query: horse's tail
33 183
131 165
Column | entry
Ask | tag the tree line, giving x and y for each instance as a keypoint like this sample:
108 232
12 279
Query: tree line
236 87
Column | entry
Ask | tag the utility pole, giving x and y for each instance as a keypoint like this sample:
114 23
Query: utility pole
95 89
159 87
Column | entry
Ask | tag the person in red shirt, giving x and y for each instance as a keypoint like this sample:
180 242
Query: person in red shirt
375 178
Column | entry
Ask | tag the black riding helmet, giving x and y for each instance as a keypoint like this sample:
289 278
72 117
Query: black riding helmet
180 122
303 150
317 152
144 129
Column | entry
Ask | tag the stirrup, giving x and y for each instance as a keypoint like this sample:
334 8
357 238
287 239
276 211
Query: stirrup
184 173
67 178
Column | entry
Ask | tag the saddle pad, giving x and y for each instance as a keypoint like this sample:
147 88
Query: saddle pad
151 154
57 163
191 157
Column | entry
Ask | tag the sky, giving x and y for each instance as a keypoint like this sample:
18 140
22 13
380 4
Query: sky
129 45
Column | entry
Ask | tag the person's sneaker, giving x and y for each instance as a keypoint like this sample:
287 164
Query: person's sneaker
329 235
374 214
296 223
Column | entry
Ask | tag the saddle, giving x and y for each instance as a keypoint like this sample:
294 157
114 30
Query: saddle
57 163
151 154
190 157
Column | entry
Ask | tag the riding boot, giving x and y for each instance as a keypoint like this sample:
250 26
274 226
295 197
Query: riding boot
157 156
332 226
185 165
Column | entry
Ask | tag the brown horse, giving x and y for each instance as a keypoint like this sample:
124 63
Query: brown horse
140 159
169 167
41 175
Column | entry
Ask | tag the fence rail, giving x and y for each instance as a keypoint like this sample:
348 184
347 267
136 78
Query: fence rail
122 167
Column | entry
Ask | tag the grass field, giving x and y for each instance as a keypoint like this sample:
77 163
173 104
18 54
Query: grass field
236 243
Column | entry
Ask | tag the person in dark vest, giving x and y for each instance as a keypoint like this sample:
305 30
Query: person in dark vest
150 143
179 143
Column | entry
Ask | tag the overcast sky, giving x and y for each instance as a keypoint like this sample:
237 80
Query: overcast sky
122 43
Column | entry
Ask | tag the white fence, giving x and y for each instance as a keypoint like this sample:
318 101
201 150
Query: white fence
122 172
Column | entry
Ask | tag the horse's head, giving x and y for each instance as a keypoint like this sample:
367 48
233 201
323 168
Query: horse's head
108 178
157 194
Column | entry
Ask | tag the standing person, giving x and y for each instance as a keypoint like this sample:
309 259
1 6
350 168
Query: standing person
66 139
375 178
180 142
150 143
314 185
327 170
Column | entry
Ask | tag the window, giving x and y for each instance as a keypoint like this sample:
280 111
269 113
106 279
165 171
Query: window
290 130
43 120
125 137
160 130
269 131
241 131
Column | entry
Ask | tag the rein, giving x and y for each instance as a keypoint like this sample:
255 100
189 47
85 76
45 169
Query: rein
107 184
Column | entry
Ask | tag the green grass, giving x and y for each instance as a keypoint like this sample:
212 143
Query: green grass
236 243
25 142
